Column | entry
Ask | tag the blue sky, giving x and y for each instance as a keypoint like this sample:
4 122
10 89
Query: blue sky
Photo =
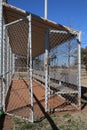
71 13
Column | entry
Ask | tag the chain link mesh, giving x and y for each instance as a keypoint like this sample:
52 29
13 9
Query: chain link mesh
63 90
63 71
16 71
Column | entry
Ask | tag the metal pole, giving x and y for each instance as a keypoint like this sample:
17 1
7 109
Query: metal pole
46 70
8 62
14 22
46 9
10 65
1 51
3 68
79 67
28 53
31 82
13 64
7 42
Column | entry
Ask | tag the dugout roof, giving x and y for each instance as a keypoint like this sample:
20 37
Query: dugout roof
19 32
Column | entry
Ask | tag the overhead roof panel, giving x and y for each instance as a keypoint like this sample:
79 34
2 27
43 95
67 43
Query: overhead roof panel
19 32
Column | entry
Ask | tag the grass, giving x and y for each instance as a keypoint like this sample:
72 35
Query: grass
75 121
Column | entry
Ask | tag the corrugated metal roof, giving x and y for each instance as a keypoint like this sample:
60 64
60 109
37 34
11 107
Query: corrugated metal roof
18 33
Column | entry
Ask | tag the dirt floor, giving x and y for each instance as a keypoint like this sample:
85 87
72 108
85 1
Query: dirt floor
19 100
18 104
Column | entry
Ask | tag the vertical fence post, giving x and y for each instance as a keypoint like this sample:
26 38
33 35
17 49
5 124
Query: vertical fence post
1 51
31 82
7 68
10 63
4 68
13 64
46 70
79 68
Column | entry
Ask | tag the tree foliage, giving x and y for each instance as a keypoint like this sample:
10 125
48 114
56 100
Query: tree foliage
84 56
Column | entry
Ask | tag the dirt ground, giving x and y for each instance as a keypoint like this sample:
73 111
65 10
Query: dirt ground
19 100
76 120
18 104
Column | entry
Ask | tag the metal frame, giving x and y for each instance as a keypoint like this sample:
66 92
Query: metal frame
39 75
11 60
78 92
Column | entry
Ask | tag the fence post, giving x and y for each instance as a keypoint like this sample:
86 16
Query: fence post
1 52
31 82
7 68
46 70
79 68
13 64
3 69
10 63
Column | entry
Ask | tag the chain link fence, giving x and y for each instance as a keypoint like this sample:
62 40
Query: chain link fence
63 90
39 80
63 71
15 77
7 67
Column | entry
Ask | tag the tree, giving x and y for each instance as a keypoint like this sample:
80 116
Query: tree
84 56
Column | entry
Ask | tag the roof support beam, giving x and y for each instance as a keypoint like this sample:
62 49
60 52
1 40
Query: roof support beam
14 22
59 31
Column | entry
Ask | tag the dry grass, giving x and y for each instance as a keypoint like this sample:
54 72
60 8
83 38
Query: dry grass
66 121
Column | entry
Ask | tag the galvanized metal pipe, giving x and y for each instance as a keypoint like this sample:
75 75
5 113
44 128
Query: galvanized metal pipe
1 50
79 68
31 75
4 69
46 9
15 22
13 64
46 70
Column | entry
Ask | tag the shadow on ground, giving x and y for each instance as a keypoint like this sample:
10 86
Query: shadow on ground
84 97
47 116
2 119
